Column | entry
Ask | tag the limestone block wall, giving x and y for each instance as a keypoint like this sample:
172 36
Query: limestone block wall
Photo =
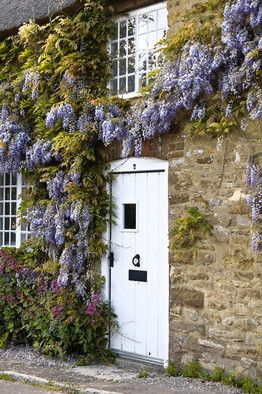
215 287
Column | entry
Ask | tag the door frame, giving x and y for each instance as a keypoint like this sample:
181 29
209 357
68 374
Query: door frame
135 165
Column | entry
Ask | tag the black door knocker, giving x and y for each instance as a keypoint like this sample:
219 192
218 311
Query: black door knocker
136 260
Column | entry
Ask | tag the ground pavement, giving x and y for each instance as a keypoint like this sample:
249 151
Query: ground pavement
23 365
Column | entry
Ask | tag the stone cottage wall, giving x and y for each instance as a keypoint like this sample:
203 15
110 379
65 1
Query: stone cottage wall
215 287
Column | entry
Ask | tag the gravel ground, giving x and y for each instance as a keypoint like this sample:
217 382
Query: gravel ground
112 378
20 388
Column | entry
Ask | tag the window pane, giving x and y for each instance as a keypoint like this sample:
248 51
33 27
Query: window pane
6 237
131 84
114 49
23 237
114 68
129 216
162 18
122 67
1 208
131 65
131 26
13 239
7 208
152 39
122 85
13 208
114 86
7 223
122 48
1 238
123 32
14 179
13 193
143 43
7 194
142 23
13 223
142 80
24 226
142 63
1 194
152 21
1 180
131 46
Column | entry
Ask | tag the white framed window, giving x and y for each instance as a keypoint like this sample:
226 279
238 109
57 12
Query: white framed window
133 48
11 191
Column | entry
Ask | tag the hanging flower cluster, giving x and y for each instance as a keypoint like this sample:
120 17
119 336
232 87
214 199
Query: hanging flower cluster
31 84
254 202
14 139
63 112
39 153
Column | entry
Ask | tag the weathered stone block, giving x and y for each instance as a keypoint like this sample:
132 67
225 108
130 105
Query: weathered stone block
188 328
205 160
190 314
214 347
226 335
237 351
188 297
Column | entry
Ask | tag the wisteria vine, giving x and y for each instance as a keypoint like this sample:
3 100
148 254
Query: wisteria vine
65 223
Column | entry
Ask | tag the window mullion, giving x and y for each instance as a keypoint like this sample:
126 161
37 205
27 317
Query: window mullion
18 203
136 57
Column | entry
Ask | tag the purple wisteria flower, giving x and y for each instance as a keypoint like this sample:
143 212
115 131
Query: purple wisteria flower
63 112
14 139
56 186
31 83
40 153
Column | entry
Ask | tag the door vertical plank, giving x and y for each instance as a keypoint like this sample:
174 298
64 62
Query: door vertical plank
128 287
163 273
141 249
116 296
152 299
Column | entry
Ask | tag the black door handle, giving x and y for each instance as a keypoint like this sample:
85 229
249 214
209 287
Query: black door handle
111 259
136 260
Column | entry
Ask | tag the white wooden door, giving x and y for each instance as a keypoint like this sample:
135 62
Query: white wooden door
139 276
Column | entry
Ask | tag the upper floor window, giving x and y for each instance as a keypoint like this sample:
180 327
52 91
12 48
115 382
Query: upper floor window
133 47
11 190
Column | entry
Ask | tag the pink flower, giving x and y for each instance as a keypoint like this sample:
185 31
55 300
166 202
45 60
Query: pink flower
55 287
58 312
91 310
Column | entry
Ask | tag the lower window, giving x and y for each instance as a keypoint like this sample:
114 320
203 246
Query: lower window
11 190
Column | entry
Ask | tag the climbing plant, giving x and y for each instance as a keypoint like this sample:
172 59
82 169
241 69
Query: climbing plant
49 76
57 116
190 228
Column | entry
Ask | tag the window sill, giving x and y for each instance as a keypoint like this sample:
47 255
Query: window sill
129 96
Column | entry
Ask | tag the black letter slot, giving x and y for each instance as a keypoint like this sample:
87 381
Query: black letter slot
138 276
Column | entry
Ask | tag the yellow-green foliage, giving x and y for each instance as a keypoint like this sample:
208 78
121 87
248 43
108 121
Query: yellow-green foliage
190 228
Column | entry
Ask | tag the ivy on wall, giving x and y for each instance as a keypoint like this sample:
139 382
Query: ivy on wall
56 117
